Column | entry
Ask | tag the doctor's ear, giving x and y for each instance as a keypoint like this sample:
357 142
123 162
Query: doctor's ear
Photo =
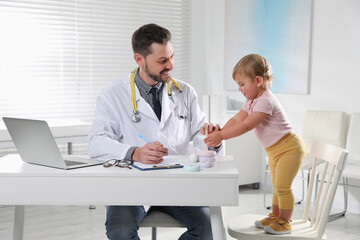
139 59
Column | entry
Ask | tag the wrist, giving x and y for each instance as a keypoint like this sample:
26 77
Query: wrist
136 154
221 135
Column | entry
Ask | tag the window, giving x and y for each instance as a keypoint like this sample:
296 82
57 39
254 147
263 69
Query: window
56 56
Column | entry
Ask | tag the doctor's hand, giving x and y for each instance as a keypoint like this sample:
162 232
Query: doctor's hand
209 128
150 153
214 139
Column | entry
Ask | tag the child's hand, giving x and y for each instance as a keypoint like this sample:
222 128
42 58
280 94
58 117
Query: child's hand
213 139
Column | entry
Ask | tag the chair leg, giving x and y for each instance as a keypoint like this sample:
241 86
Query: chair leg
153 233
303 188
266 173
316 185
335 216
308 177
307 184
346 193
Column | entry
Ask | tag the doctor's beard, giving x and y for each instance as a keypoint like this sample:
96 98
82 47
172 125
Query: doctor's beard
154 77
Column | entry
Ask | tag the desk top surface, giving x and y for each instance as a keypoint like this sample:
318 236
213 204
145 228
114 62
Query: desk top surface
12 165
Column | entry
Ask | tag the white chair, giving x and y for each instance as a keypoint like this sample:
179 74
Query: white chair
159 219
327 126
242 227
352 170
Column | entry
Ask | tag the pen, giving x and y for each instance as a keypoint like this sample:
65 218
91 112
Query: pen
143 138
167 166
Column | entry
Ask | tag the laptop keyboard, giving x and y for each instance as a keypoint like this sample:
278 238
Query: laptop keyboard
73 163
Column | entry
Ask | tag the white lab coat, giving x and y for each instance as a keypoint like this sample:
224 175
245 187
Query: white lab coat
112 132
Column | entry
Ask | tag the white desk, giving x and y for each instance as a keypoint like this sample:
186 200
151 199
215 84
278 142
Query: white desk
26 184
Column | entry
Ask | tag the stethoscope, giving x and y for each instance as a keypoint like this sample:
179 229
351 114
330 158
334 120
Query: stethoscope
136 114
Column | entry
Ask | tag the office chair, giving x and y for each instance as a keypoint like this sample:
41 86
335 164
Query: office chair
156 219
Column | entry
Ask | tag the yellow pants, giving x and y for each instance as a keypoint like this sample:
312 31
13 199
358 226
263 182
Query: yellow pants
285 158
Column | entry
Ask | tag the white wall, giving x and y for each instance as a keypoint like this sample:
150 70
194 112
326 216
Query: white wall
335 59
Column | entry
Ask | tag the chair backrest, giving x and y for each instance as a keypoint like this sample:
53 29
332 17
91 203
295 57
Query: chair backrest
334 159
353 138
326 126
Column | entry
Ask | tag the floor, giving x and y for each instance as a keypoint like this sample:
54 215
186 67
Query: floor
80 223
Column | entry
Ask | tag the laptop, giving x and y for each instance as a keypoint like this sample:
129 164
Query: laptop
36 144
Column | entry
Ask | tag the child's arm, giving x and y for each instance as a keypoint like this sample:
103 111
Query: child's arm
215 138
241 127
239 117
236 126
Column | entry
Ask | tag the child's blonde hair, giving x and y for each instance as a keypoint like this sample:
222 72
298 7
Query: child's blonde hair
254 65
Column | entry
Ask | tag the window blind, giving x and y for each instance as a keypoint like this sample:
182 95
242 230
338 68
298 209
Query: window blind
56 56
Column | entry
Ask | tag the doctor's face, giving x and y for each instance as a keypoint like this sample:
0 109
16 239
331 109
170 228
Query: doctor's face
160 62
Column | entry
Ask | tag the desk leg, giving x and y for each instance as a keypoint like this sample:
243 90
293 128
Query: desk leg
217 223
19 222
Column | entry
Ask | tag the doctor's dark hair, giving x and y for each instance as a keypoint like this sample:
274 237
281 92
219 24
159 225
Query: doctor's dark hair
148 34
254 65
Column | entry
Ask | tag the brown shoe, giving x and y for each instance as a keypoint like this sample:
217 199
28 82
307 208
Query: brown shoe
266 221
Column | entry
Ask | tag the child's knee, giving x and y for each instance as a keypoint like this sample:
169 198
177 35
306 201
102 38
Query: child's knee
283 191
286 198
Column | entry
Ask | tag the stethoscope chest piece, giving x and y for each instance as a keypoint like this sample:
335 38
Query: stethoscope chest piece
136 117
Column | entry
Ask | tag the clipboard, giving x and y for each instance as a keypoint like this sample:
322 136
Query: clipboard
166 164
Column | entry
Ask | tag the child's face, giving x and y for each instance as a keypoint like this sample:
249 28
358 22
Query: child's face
247 85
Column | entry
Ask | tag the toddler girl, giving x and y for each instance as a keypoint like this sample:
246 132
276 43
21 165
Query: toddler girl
263 113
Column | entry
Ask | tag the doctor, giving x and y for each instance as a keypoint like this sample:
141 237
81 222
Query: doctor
148 101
